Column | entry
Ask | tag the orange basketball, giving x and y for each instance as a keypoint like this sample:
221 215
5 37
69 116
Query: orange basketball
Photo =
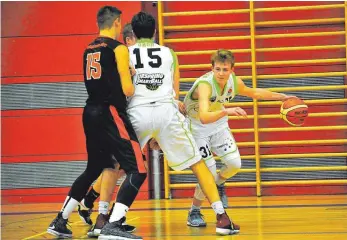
294 111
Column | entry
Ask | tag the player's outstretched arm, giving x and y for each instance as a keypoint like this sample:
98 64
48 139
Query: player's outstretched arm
259 93
122 58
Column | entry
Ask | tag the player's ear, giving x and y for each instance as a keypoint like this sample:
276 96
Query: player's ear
155 32
117 22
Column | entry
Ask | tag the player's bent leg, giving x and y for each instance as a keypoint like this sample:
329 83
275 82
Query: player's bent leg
133 181
109 182
223 145
207 183
232 165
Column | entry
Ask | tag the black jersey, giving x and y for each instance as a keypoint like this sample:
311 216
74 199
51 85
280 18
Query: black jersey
101 75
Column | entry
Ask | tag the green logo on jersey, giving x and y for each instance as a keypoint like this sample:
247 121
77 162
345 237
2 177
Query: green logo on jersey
152 80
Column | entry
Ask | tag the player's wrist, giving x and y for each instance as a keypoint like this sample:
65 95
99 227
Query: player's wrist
225 112
282 96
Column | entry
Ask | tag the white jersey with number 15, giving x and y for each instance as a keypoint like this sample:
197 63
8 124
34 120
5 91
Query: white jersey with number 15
153 81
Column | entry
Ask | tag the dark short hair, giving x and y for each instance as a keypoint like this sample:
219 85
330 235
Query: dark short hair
106 16
223 56
143 25
127 32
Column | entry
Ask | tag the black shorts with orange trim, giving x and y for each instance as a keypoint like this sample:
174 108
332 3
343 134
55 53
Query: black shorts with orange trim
109 132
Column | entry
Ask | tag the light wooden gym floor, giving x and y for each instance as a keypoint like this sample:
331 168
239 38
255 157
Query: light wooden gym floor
265 218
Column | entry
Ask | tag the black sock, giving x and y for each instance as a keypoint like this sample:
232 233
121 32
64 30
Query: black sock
110 212
90 198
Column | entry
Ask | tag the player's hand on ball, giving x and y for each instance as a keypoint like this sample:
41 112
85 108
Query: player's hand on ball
286 97
236 111
153 144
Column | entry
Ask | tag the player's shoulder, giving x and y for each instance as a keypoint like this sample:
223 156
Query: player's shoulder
206 76
112 43
133 46
99 43
232 78
121 49
162 48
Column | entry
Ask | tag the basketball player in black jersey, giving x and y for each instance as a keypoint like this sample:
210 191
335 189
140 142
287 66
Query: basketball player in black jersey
106 125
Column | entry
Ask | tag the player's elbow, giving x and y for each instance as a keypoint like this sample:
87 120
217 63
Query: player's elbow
129 91
204 119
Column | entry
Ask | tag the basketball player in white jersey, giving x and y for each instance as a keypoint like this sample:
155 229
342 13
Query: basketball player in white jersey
154 113
208 121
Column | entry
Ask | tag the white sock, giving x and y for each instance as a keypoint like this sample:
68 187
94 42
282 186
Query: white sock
103 207
69 205
195 207
218 207
66 199
220 180
118 212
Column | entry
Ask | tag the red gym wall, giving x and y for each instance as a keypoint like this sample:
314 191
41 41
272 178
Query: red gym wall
43 145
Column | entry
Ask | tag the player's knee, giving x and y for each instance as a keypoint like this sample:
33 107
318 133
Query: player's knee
213 170
137 179
142 176
233 162
93 173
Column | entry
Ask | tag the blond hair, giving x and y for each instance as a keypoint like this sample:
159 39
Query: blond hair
223 56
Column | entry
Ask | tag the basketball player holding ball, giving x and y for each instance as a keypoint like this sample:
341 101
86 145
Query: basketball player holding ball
208 121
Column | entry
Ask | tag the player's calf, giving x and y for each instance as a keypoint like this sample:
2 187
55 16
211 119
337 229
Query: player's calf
222 195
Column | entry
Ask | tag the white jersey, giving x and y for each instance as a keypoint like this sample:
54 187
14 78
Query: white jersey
154 65
217 101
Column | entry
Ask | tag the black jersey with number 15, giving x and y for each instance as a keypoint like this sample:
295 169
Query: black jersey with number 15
101 75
